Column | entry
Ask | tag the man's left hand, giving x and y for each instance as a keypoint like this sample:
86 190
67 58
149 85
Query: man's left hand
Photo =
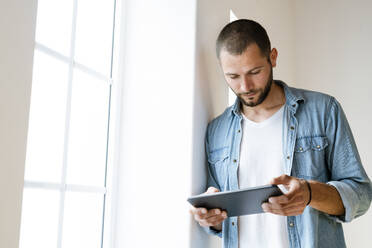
291 203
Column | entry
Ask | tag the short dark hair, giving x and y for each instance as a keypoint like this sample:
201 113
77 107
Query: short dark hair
236 36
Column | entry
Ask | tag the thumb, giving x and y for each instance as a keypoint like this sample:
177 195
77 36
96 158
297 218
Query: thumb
283 179
212 190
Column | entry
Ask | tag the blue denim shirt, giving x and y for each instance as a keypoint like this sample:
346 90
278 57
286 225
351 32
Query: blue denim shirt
317 144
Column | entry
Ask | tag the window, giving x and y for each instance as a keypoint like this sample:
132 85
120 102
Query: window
64 199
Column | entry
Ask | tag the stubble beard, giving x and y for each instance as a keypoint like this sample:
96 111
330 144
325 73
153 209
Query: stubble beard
264 93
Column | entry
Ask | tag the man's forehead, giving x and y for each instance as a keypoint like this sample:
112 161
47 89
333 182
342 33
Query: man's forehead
248 60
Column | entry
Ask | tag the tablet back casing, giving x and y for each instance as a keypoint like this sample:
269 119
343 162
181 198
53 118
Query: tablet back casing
239 202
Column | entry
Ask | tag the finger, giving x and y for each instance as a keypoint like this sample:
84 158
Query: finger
273 206
211 190
212 221
294 202
199 211
295 192
283 179
287 198
279 199
286 211
213 212
223 215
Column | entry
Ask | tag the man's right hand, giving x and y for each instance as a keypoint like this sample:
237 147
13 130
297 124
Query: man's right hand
209 218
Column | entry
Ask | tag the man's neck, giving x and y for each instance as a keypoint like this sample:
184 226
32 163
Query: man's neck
273 102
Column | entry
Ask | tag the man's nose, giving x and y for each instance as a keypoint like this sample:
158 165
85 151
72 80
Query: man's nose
246 84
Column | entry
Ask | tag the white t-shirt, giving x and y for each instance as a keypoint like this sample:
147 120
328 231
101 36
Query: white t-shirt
260 160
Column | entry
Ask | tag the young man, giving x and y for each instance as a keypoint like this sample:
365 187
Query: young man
275 134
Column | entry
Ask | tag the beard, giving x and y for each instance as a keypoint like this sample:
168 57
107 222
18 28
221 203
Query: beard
263 93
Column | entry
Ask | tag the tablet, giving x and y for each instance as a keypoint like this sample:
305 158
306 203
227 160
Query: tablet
238 202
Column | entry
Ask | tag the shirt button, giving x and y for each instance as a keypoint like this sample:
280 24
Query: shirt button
318 146
294 105
239 131
292 127
291 224
288 157
301 148
234 160
232 223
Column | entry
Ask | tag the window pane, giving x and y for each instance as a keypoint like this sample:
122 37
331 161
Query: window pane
53 27
94 34
47 119
83 220
40 211
88 130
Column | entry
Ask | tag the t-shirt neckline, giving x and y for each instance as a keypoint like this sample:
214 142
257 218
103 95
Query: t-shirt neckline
278 114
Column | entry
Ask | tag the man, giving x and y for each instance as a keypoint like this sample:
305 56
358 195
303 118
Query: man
275 134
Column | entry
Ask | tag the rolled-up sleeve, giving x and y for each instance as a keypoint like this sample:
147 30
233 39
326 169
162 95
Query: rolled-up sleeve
355 202
346 170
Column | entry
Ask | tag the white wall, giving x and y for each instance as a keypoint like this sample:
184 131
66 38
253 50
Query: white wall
277 18
17 28
333 55
155 155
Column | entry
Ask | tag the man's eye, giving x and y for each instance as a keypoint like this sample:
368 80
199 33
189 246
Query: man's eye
233 77
255 72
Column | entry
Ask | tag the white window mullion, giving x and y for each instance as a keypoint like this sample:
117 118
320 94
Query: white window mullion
51 52
93 73
67 125
65 187
42 185
86 189
79 66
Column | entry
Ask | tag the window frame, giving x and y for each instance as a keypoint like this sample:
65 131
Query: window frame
112 139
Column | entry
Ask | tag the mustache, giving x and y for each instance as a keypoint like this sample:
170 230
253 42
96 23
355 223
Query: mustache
248 92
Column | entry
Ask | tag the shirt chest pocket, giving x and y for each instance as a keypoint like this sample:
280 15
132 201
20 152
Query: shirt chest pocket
310 157
218 160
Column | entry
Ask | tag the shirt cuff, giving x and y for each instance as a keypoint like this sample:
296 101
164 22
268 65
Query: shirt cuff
211 230
349 199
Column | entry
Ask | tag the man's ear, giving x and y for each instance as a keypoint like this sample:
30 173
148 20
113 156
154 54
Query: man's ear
273 56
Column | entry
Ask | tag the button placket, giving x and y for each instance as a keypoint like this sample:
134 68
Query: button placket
291 139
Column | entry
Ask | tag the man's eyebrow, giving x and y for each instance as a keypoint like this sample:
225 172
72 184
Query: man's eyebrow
255 68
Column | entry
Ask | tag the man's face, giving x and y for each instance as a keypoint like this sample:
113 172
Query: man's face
249 75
